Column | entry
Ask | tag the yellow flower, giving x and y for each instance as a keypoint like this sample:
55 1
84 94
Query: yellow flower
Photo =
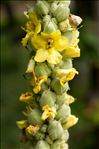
70 121
32 129
72 50
48 47
36 82
39 82
22 124
32 27
49 112
26 97
66 74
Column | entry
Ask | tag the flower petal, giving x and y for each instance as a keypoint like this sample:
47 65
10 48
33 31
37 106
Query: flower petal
71 52
61 43
22 124
38 42
26 38
38 28
41 55
53 35
54 57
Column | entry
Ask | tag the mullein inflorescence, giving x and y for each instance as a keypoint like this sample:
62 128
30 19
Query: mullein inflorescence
52 38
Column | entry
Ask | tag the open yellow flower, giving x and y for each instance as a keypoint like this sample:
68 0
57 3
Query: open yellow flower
66 74
26 97
49 112
72 50
22 124
49 47
32 27
37 82
32 130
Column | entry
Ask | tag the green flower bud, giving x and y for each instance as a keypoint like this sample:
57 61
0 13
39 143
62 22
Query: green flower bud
48 81
44 87
61 99
65 136
57 87
64 98
52 66
65 64
42 69
42 8
64 146
63 112
48 98
50 27
59 145
56 145
46 19
55 130
49 140
42 145
61 13
53 7
35 117
39 135
54 20
43 128
66 2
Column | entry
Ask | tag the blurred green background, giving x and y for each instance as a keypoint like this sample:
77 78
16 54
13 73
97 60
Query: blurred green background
85 87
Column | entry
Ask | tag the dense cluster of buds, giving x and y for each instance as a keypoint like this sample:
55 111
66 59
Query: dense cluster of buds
52 38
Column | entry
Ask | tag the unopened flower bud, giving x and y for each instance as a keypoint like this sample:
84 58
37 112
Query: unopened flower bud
50 27
56 145
42 7
39 135
43 128
48 98
61 13
46 19
35 117
49 140
53 7
42 145
65 136
57 87
42 69
55 130
66 2
63 112
65 64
